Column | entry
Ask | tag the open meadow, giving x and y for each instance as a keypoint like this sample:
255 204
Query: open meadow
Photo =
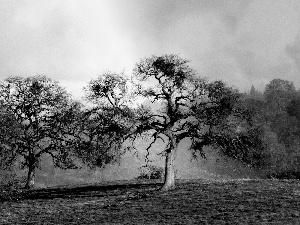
192 202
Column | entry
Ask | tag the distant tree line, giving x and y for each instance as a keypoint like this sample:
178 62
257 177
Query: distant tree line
37 116
275 114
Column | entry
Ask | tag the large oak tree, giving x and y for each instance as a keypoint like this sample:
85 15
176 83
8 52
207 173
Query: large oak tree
190 107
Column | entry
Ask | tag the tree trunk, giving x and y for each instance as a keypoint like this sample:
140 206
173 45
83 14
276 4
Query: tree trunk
30 177
169 181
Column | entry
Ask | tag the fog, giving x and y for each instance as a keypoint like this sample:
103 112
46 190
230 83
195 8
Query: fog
128 168
243 42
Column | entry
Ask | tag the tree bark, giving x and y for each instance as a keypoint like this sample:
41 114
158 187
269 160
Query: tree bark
30 177
169 180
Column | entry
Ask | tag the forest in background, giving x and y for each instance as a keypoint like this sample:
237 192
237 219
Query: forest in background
276 119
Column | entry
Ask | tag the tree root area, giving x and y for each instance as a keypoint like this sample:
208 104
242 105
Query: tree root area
191 202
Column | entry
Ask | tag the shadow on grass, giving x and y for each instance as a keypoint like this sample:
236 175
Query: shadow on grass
96 190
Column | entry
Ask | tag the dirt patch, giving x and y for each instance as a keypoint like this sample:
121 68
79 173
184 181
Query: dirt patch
192 202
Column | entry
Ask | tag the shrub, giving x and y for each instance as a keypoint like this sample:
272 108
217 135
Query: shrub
11 186
285 175
151 172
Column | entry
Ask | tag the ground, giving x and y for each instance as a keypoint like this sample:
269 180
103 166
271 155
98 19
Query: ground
192 202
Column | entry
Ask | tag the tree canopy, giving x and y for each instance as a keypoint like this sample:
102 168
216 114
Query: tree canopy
276 116
42 116
38 117
191 107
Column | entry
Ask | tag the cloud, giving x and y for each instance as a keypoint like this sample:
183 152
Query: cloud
243 42
255 52
293 51
66 40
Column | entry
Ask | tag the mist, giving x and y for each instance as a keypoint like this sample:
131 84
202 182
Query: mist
213 167
242 42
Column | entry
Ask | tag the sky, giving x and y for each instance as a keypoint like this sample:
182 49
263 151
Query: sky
243 42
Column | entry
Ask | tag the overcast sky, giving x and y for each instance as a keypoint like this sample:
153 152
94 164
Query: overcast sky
242 42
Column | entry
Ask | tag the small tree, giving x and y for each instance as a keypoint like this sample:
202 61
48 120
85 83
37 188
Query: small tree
278 94
39 118
107 124
190 107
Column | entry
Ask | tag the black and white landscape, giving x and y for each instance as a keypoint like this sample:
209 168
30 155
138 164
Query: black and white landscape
150 112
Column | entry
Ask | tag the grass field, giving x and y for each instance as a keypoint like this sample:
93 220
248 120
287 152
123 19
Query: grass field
192 202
